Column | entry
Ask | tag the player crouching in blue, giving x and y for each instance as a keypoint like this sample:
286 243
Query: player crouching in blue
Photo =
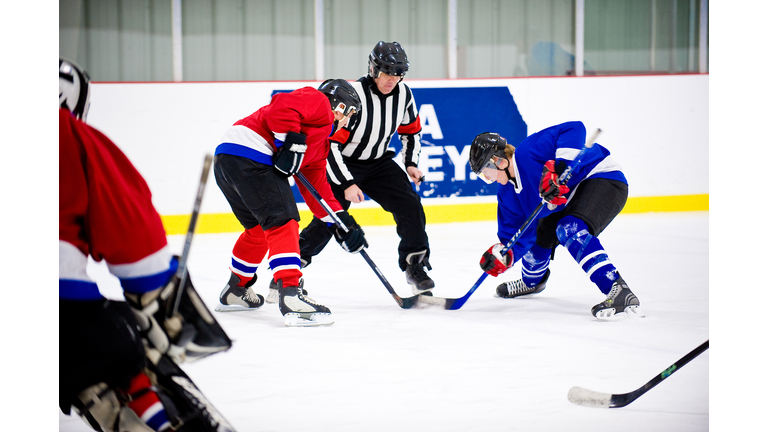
575 214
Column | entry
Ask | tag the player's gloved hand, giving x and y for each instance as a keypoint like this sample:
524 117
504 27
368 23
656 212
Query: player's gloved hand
287 160
166 335
493 263
145 307
549 189
352 241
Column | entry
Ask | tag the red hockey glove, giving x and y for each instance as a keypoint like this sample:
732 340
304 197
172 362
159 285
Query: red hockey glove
493 263
549 190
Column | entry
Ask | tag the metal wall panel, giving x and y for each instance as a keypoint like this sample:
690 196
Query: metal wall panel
503 38
353 28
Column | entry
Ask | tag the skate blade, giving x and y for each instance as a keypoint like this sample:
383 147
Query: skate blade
315 320
234 308
630 312
523 296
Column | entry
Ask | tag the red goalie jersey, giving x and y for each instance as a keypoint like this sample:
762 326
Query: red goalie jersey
105 211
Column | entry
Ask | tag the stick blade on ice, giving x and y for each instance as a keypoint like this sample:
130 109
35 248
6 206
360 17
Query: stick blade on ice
590 398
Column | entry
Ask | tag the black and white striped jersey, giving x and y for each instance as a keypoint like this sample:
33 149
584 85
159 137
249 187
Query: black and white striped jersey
369 132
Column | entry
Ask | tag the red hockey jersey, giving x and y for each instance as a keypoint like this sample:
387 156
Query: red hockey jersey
105 211
258 136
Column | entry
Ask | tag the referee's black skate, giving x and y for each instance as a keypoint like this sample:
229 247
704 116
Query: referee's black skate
235 298
517 288
300 310
416 276
621 302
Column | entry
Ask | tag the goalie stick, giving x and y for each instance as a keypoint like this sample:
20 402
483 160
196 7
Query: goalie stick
404 302
453 304
590 398
181 272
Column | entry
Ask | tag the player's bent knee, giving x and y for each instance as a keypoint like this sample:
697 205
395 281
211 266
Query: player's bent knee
569 229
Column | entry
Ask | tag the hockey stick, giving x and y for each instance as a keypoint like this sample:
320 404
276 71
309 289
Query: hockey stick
182 272
453 304
590 398
405 303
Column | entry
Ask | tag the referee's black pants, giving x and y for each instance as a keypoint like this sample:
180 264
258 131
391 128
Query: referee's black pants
386 183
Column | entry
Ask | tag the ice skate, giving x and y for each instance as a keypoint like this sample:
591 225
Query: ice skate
620 303
416 276
273 296
235 298
301 311
517 288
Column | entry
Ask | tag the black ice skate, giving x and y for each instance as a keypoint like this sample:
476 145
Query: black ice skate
234 298
274 296
299 310
620 303
415 274
517 288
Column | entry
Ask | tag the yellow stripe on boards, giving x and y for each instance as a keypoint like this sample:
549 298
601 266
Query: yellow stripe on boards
667 204
439 213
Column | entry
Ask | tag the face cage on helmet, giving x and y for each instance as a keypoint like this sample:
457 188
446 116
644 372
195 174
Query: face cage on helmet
346 111
490 171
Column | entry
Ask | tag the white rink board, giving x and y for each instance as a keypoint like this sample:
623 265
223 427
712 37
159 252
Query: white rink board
652 124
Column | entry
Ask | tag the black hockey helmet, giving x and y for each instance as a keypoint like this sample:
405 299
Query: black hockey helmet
485 146
342 96
74 88
387 57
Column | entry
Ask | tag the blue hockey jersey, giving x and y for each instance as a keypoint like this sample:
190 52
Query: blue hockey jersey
518 199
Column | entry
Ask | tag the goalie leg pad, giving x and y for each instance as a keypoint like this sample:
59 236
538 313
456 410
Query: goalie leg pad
185 404
100 408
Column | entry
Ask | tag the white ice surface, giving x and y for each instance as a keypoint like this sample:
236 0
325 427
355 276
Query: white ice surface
493 365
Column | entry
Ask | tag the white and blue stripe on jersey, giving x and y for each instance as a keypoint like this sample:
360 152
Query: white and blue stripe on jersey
142 276
242 141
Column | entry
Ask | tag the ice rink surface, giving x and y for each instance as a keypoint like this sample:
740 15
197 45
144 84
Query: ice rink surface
494 365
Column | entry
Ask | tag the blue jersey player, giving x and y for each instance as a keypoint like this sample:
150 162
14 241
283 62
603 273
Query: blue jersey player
577 212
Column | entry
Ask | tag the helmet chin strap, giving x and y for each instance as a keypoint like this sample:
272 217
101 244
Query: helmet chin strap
509 174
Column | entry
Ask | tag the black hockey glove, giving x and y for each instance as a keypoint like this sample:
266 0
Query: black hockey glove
287 160
353 241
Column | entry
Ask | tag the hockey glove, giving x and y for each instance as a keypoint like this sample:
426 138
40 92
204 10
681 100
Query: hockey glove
493 263
549 189
353 241
287 160
191 334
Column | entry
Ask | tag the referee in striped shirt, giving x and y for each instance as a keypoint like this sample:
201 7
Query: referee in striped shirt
359 163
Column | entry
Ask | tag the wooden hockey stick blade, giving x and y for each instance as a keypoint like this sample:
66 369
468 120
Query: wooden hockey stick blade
591 398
